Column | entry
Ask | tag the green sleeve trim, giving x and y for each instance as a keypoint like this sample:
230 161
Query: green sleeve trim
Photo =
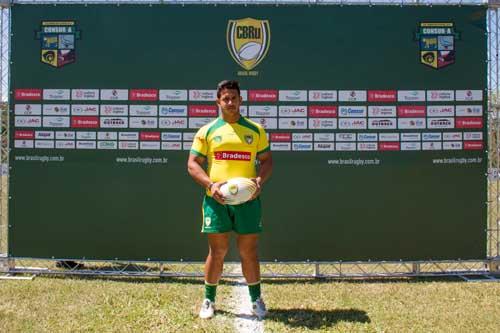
218 123
268 148
197 153
243 122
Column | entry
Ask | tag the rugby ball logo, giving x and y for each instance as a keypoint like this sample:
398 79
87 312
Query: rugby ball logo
248 41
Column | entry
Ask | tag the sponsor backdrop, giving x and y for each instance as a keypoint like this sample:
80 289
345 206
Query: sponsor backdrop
376 118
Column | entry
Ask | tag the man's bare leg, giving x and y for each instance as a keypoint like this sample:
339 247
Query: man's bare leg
218 245
247 246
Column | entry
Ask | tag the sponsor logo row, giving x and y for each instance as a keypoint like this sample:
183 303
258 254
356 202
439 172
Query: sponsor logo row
315 111
266 95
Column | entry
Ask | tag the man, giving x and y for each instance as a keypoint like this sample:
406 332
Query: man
230 133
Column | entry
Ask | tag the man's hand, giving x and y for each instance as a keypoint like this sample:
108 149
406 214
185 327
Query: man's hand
216 193
258 182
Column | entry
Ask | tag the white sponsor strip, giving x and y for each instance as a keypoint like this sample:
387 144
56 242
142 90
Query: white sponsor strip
202 95
452 136
85 109
345 137
352 123
469 110
56 94
44 144
114 94
352 111
411 96
292 95
114 110
187 145
388 137
144 110
469 95
173 111
431 136
28 109
173 95
114 122
322 123
280 146
452 145
56 109
440 123
23 143
440 95
44 135
292 123
85 94
367 137
440 111
244 95
143 122
244 110
346 146
302 136
382 111
197 122
263 111
27 121
410 136
133 136
65 144
267 123
367 146
107 135
188 136
85 145
86 135
302 146
352 96
129 145
174 145
324 146
322 95
149 145
292 111
411 146
173 122
55 121
473 136
107 145
433 145
171 136
321 137
411 123
65 135
382 123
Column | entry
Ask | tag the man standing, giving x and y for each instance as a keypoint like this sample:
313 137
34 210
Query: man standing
230 133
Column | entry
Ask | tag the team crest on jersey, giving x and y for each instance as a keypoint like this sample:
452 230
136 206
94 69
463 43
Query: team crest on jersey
58 42
248 41
208 221
249 139
437 43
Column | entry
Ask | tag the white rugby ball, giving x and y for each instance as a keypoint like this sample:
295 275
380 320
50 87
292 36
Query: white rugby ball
238 190
249 51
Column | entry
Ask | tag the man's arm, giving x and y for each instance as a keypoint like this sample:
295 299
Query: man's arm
199 175
265 171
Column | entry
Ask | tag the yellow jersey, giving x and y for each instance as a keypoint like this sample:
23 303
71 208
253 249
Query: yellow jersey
230 148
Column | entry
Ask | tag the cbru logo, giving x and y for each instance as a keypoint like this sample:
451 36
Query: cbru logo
248 41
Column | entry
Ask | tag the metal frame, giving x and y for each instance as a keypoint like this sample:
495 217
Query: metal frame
468 270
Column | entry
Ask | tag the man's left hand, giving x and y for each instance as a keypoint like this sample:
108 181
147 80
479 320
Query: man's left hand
257 182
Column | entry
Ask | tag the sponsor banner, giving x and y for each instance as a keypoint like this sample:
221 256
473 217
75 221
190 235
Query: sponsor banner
410 136
292 111
322 95
85 110
56 109
302 136
302 146
367 137
172 136
411 146
281 137
440 111
469 122
114 110
440 95
171 145
440 123
324 137
411 96
56 121
86 145
345 136
143 95
144 110
267 123
352 111
199 122
114 94
203 95
431 136
86 135
24 135
85 94
187 145
382 96
27 121
244 110
56 94
133 136
173 111
244 95
132 145
150 136
367 146
411 123
292 123
107 136
65 144
203 111
346 146
473 145
469 95
85 122
107 145
233 155
173 95
451 145
473 135
23 143
322 111
47 135
28 94
382 111
173 122
188 136
65 135
143 122
28 109
382 123
388 136
114 122
280 146
352 95
324 146
411 111
452 136
322 123
388 146
352 123
263 111
149 145
292 96
432 145
262 95
469 110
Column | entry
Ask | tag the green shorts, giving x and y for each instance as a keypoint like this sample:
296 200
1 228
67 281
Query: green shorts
243 219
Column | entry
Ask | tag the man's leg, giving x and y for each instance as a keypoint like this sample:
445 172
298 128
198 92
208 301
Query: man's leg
247 246
218 245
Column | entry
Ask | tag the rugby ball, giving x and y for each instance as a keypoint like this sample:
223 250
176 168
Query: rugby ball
249 51
238 190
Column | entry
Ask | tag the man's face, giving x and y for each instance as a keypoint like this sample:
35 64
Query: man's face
229 102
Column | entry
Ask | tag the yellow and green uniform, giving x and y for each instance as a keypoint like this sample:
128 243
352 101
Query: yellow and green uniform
231 150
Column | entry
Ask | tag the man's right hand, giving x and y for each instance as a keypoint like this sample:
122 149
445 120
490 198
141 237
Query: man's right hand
216 193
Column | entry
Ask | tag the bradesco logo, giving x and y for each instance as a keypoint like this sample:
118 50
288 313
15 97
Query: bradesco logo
28 94
263 95
150 136
233 155
352 111
143 95
440 123
84 122
24 135
388 146
469 122
173 110
248 41
320 111
281 137
411 111
473 145
382 95
202 111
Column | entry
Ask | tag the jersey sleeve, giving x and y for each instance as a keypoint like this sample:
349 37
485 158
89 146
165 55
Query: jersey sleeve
263 145
200 147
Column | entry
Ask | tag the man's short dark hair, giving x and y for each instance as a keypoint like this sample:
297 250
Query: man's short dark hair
228 84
